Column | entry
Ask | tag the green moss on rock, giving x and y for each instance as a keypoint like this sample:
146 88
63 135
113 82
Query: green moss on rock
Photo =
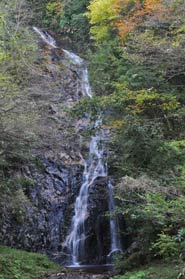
156 271
17 264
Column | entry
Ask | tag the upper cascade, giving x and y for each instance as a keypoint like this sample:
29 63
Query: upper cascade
46 37
74 59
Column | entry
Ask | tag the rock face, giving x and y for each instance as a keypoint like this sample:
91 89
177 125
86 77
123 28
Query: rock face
48 211
56 180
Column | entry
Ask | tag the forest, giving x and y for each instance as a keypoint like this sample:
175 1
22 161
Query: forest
134 51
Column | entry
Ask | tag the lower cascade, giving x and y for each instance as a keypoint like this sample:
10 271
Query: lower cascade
95 169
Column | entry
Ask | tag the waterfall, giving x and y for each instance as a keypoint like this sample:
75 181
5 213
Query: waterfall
94 167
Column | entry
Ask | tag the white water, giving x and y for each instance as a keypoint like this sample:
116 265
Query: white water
46 37
75 59
94 167
115 240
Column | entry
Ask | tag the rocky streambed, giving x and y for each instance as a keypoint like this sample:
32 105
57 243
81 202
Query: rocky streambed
79 275
85 272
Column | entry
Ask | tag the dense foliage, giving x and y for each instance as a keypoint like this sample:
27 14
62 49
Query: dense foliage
137 73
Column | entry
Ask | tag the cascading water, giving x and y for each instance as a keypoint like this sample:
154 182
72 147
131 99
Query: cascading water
46 37
94 167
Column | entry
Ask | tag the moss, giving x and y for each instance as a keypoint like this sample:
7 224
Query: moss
17 264
155 271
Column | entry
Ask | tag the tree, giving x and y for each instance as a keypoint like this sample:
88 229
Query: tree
16 72
102 13
124 16
74 23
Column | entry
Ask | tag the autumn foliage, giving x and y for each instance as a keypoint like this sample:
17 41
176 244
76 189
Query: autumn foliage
135 14
121 15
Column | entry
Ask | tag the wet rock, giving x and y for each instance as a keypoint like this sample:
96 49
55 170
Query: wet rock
48 212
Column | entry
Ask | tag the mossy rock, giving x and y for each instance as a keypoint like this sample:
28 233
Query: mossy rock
17 264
